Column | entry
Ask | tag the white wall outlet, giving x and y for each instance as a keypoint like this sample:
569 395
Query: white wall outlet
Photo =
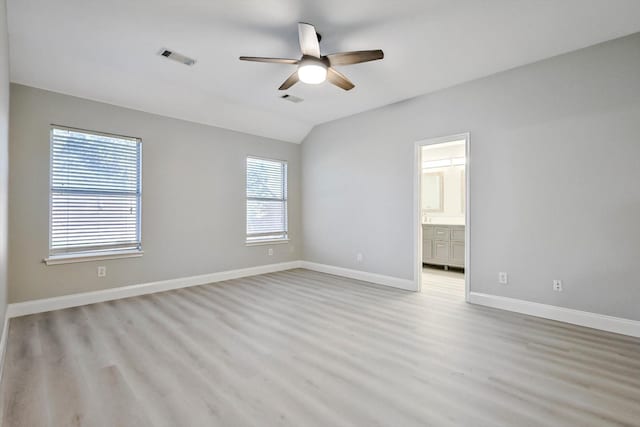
270 251
503 278
102 271
359 257
557 285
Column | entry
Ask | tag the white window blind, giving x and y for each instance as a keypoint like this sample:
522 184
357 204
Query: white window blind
266 200
95 192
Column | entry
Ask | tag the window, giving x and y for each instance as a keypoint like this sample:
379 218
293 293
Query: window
95 194
266 200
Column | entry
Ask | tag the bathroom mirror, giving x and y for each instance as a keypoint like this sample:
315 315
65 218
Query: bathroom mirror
433 192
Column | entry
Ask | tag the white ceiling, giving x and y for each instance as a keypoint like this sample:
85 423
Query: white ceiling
107 51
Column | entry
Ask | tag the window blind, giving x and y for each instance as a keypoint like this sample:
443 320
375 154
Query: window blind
266 199
95 192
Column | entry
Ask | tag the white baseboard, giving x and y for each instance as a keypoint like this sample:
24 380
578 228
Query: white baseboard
576 317
3 341
407 285
76 300
552 312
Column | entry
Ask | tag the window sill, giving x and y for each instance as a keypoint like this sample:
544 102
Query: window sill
267 242
91 256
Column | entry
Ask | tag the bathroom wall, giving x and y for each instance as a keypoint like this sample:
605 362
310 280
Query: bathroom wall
453 176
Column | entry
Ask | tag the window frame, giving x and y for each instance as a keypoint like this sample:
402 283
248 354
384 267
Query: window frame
97 254
285 199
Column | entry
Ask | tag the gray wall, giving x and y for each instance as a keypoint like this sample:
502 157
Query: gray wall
193 202
554 170
4 156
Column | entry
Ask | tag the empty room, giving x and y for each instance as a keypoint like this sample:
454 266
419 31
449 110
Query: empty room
298 213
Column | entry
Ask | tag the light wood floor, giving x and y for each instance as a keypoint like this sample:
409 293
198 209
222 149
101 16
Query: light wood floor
301 348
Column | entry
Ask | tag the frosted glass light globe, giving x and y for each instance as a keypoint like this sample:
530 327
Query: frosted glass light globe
312 72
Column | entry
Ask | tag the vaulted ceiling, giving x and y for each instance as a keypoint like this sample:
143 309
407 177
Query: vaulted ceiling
107 51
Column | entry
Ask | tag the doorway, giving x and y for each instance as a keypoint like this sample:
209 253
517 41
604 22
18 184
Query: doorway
441 218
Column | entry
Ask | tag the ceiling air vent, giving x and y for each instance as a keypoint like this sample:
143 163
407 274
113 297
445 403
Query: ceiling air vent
175 56
292 98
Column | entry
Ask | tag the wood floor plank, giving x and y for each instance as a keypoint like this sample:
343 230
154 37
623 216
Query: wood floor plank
305 348
119 406
67 392
23 394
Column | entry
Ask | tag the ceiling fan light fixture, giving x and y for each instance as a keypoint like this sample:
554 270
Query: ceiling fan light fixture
315 68
312 72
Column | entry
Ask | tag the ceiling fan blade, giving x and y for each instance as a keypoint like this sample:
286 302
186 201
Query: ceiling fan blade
272 60
356 57
339 79
309 44
293 79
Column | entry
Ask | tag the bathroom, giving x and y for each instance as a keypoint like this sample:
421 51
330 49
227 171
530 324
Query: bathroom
443 212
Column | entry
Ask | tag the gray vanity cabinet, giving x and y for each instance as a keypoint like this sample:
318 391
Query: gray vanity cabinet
441 251
427 249
443 245
456 255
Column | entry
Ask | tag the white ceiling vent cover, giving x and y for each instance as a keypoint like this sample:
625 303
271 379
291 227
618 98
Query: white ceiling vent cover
292 98
175 56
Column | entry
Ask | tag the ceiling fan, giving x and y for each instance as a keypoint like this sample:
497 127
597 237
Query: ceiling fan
314 68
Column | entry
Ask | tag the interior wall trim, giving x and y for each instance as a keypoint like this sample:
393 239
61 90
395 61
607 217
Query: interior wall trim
84 298
3 341
562 314
582 318
406 284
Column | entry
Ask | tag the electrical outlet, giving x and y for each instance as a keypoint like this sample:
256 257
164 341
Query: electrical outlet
557 285
270 251
359 258
503 279
102 271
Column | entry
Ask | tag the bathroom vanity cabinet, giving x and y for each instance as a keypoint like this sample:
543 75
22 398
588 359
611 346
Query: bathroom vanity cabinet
443 245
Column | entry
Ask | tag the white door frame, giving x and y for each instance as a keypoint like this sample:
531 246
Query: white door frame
417 211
